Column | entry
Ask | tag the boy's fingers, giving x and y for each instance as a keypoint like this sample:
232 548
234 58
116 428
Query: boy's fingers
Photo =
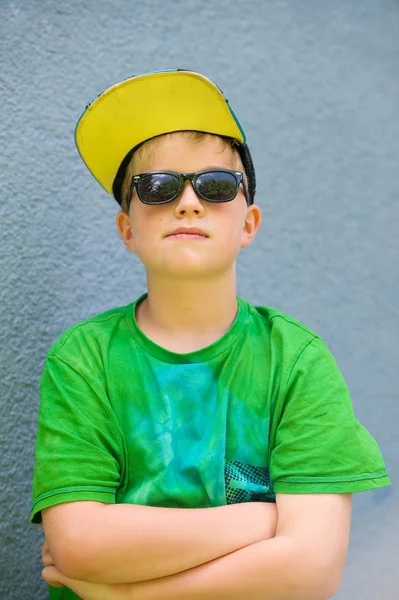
47 560
52 576
45 547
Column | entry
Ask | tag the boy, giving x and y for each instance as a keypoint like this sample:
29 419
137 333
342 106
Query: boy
191 445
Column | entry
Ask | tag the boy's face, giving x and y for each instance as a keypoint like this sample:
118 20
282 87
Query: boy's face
228 226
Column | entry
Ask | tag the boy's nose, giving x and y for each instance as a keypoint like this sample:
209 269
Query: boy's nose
188 199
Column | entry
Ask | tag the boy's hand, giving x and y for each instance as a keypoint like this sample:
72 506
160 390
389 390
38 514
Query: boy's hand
84 589
47 558
87 591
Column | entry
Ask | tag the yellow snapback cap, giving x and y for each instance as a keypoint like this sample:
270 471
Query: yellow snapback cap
142 107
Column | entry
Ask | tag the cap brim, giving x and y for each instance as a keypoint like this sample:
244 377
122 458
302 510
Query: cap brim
143 107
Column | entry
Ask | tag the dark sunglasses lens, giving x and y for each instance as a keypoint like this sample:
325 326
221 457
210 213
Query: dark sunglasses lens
217 186
156 188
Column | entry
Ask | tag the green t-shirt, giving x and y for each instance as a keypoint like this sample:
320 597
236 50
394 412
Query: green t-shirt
264 409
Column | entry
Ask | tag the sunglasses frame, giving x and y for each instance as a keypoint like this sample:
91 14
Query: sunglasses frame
182 178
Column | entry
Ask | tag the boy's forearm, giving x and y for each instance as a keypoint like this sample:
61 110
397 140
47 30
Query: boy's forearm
130 543
277 569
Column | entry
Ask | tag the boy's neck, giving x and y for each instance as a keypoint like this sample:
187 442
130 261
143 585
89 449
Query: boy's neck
181 309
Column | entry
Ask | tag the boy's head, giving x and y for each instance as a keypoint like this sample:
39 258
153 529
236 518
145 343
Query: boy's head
171 140
225 226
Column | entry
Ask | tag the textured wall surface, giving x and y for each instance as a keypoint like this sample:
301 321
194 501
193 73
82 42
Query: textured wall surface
316 86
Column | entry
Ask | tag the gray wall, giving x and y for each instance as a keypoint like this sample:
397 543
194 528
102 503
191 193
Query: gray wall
316 85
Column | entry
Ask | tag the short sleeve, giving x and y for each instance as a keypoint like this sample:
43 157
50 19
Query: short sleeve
318 445
79 446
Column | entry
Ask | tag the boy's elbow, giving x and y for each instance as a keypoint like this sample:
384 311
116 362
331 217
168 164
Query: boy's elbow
315 585
70 537
322 581
307 573
326 589
73 556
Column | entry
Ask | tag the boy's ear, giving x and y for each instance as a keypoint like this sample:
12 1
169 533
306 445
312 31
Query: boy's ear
253 219
125 229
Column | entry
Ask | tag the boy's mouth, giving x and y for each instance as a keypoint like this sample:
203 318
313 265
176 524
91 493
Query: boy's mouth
193 236
187 232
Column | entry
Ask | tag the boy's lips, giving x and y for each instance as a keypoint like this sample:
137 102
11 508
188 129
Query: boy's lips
188 230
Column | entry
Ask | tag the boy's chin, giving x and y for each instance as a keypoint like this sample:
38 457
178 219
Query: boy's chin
189 271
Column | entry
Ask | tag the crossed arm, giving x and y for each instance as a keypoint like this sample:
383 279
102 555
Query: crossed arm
294 550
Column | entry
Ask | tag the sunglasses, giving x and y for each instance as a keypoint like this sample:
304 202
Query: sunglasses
215 185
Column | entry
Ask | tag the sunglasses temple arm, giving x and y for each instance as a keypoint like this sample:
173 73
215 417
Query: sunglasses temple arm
129 197
245 191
